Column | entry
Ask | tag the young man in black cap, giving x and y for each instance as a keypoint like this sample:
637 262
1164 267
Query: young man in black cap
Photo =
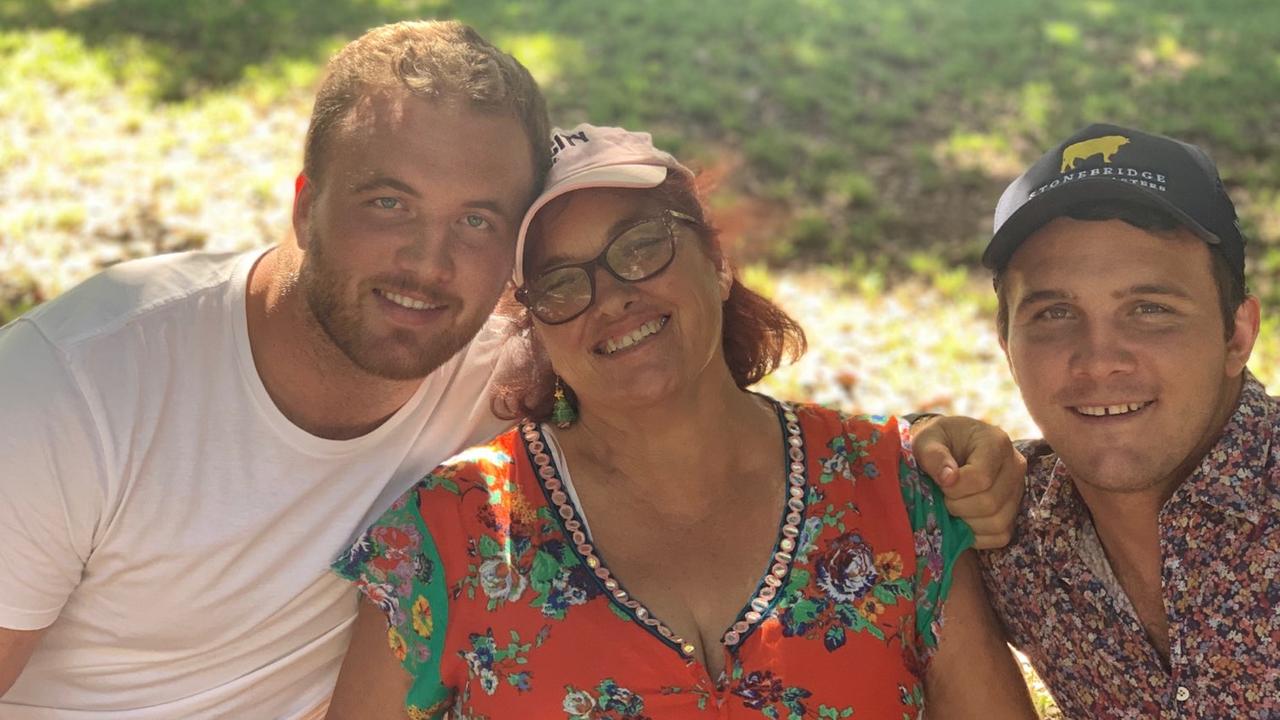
1144 576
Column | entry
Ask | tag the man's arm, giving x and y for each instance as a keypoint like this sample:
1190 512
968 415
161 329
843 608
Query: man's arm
372 684
16 647
980 472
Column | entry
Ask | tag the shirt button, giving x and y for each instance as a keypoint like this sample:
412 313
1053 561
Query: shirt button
1183 694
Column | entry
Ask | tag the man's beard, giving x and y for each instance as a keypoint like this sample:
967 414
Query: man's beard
400 355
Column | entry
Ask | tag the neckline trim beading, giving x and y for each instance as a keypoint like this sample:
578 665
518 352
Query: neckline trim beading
767 591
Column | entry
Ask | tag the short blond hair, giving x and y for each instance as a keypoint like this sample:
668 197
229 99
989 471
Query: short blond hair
438 60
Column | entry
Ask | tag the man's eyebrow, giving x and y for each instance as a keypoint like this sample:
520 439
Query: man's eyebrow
384 181
1040 296
492 206
1153 289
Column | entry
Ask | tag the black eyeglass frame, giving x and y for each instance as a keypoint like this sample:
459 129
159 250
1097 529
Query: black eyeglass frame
669 218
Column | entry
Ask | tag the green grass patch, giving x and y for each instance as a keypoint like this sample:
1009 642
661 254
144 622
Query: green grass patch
829 102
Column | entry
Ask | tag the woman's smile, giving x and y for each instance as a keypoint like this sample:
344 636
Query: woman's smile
630 339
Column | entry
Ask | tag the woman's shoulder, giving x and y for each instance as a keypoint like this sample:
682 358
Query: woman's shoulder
821 419
439 513
860 459
439 503
481 464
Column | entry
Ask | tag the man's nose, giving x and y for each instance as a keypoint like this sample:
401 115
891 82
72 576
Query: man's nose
1102 351
428 254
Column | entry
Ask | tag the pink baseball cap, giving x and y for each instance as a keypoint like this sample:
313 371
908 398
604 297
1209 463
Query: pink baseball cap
588 156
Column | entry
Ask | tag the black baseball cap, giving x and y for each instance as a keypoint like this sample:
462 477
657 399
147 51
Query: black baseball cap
1109 162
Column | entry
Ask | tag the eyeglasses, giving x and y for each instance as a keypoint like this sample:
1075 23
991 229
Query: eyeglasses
638 252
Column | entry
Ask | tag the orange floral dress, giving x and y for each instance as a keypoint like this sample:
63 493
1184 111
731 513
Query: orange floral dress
499 605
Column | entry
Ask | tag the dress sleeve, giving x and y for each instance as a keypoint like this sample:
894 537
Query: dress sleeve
396 565
940 537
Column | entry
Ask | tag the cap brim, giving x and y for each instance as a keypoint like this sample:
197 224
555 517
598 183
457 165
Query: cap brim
1040 210
613 176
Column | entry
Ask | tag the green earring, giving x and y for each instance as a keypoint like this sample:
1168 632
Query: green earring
562 412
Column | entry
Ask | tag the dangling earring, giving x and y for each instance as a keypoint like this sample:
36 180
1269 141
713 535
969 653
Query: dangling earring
562 412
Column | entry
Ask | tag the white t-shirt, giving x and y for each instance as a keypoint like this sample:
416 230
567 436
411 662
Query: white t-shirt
173 526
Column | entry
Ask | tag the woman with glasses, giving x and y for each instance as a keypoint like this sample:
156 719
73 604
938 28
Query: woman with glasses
655 540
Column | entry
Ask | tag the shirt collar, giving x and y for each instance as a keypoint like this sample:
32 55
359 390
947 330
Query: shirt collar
1057 511
1236 473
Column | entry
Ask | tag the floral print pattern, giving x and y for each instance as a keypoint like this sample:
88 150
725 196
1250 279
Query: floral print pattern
852 586
496 611
608 701
1220 540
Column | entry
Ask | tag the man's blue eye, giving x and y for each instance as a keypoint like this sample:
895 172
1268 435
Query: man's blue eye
386 203
1055 313
476 221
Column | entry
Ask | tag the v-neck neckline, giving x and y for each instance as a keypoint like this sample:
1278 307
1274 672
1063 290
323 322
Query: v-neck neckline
757 608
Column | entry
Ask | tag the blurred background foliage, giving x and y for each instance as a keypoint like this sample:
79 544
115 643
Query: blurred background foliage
866 141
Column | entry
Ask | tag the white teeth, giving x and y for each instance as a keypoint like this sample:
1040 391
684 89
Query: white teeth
1102 410
408 302
613 345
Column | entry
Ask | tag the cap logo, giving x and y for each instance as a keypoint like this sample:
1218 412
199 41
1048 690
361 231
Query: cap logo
1106 146
561 141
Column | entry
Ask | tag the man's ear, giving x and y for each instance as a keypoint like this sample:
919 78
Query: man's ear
303 195
1240 345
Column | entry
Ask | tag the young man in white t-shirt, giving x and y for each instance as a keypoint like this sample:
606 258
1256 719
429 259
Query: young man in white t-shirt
187 441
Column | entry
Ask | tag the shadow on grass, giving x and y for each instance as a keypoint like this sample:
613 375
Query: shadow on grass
206 44
879 129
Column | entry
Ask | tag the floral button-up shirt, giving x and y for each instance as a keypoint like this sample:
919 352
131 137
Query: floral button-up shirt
500 606
1220 543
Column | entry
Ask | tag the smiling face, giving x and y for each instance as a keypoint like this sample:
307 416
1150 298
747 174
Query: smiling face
640 342
409 235
1116 341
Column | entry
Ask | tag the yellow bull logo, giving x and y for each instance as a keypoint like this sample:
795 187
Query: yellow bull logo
1105 146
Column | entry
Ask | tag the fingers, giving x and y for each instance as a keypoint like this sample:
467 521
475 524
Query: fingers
989 461
993 540
992 527
936 462
987 493
985 486
992 514
974 494
930 446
